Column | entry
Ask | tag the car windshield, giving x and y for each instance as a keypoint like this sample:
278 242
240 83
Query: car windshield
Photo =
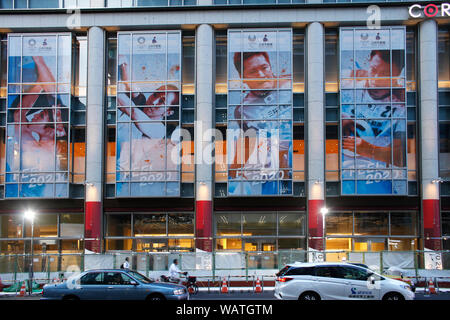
140 277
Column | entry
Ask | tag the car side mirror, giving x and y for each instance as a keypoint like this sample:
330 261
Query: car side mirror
133 283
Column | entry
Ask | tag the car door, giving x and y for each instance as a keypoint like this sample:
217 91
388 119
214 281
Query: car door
330 283
119 287
361 284
90 287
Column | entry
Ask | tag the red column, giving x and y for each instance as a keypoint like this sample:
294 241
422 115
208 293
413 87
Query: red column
315 224
92 226
431 224
203 225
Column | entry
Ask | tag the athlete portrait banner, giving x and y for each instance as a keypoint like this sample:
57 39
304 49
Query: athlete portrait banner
259 132
148 114
373 111
38 115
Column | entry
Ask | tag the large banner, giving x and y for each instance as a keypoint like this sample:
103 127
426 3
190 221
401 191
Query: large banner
38 106
148 114
259 132
373 111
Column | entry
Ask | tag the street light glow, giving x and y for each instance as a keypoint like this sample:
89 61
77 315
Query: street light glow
29 215
324 210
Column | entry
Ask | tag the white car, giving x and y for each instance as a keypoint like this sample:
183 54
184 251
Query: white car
337 281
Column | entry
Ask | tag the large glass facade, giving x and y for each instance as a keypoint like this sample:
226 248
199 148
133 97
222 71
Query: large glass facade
373 111
372 231
38 115
150 232
52 233
148 114
444 102
259 128
260 231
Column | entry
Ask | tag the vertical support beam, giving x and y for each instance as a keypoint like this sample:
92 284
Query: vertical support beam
204 132
95 139
315 133
429 137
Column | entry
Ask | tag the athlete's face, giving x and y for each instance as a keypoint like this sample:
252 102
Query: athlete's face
379 74
257 67
161 99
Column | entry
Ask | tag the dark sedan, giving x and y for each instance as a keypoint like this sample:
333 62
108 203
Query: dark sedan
113 285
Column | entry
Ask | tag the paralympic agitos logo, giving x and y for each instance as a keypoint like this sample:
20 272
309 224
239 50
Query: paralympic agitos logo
430 10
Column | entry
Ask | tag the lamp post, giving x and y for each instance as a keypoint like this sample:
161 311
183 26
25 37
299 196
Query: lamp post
29 215
324 212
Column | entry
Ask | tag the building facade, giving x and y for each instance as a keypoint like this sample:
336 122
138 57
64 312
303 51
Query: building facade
220 125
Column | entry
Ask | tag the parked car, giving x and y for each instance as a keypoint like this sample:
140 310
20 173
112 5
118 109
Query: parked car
337 281
113 284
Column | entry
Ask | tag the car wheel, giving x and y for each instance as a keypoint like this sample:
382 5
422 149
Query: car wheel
71 298
393 296
156 297
309 296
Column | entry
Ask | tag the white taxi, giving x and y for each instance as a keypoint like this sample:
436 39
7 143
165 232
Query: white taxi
337 281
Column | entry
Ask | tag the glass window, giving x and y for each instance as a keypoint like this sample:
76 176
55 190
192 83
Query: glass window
43 3
291 244
299 153
11 226
36 163
116 278
229 244
399 244
332 153
151 245
181 224
371 223
443 60
71 225
410 60
12 246
446 223
353 273
259 224
221 63
188 64
181 244
403 223
339 223
118 225
329 272
72 246
228 224
291 224
92 278
45 225
307 271
331 61
149 225
339 244
260 244
444 148
118 244
299 61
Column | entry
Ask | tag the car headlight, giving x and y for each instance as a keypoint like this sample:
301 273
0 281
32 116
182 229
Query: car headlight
178 291
406 287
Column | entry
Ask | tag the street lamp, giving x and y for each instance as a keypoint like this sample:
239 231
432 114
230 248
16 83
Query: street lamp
324 212
30 215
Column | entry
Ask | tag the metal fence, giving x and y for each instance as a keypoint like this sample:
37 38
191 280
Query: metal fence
245 265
